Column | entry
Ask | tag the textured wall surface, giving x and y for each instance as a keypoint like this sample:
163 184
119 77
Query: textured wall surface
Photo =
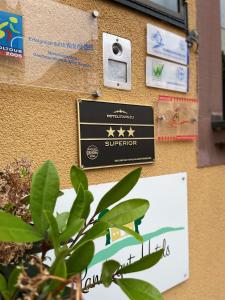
41 124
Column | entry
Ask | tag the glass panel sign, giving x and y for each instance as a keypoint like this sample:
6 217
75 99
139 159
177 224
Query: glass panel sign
168 45
177 119
113 134
47 44
163 74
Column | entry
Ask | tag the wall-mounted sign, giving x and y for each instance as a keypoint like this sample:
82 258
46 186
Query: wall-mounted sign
116 62
11 35
59 43
177 119
113 134
165 44
164 226
166 75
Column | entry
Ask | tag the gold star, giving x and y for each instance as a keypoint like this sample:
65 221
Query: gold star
121 132
131 132
110 132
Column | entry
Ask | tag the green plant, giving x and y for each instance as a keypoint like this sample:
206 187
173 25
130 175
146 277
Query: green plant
71 235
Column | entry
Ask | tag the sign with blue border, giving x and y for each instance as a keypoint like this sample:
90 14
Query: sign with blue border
11 34
168 45
166 75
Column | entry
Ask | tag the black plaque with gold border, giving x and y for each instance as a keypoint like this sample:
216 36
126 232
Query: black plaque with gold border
114 134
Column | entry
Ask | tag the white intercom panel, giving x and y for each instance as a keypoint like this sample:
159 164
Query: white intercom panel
116 62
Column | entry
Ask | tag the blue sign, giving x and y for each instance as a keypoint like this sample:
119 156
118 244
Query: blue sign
11 35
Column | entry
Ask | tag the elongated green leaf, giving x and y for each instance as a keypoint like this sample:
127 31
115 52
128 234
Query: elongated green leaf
120 190
137 289
80 258
136 235
126 212
144 263
44 192
96 231
13 278
77 209
54 230
73 227
15 230
3 283
59 271
62 220
108 269
88 199
78 177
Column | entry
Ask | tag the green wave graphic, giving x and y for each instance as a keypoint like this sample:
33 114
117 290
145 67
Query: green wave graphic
130 241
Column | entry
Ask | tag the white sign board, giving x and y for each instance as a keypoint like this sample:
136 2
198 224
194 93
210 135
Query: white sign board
164 226
165 44
166 75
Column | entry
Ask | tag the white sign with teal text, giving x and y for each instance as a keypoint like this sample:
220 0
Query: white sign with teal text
166 75
165 226
165 44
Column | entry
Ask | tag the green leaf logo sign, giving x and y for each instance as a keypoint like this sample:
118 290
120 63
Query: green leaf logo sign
157 70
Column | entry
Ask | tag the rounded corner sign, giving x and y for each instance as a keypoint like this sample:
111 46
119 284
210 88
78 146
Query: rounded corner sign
11 35
167 45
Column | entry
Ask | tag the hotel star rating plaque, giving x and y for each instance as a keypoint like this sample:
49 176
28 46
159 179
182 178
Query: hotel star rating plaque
115 134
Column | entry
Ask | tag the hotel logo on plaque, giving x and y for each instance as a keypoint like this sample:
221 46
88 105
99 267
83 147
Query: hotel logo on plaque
11 35
113 134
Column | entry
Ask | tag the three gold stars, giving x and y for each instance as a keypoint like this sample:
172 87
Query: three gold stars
121 132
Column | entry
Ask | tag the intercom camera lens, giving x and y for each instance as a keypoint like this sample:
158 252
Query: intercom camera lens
117 49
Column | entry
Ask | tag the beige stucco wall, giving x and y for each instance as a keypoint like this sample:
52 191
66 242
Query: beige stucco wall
41 124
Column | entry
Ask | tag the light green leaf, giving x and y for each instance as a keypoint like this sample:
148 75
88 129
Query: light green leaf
78 177
136 235
15 230
77 209
13 278
108 269
54 231
73 227
120 190
144 263
62 220
97 230
80 258
126 212
137 289
44 192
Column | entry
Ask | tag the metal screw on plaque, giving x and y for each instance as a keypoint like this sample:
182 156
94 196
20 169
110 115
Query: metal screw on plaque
96 94
162 118
183 178
95 14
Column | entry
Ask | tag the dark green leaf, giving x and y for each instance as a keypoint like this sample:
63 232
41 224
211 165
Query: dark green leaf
80 258
137 289
120 190
97 230
144 263
13 278
78 177
108 269
60 194
3 283
88 199
54 230
77 209
73 227
44 192
59 271
62 220
136 235
126 212
15 230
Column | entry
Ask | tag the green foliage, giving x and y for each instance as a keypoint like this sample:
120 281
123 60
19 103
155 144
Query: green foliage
108 270
43 195
120 190
71 235
13 229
